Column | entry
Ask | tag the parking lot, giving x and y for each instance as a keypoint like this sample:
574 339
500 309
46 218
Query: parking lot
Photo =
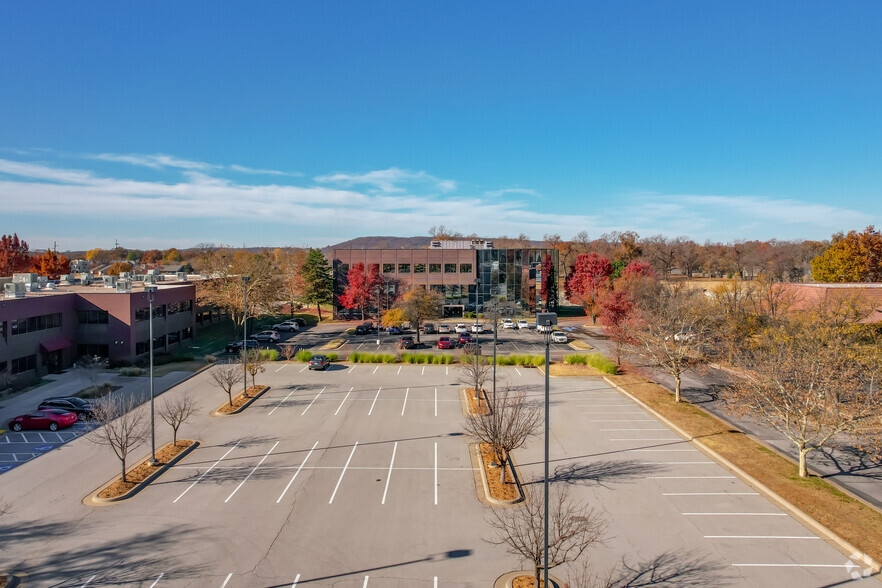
360 476
18 448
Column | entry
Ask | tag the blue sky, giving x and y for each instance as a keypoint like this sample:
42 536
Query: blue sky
289 123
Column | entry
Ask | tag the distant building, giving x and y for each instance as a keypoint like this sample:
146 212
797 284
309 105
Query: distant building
468 274
811 295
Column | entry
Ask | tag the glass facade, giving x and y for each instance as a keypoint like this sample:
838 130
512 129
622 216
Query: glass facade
513 276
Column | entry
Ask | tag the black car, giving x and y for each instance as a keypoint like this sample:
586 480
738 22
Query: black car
83 408
319 362
428 328
406 342
236 346
300 322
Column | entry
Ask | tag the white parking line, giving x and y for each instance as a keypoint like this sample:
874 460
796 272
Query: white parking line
354 447
759 537
399 370
710 494
281 368
242 483
446 370
205 472
423 373
352 368
230 575
436 401
660 450
649 439
313 400
690 477
436 473
436 582
283 400
389 474
303 368
519 372
403 406
87 582
296 579
679 463
42 438
633 411
344 400
60 438
375 370
734 514
792 565
155 582
374 402
282 495
365 582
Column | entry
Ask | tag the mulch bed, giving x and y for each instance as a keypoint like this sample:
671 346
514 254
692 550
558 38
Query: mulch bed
142 471
528 582
479 406
240 400
498 490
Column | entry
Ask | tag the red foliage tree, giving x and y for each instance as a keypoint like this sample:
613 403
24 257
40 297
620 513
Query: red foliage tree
50 264
360 286
13 255
615 308
589 276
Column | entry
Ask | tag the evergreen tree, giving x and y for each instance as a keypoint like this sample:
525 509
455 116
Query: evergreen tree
318 284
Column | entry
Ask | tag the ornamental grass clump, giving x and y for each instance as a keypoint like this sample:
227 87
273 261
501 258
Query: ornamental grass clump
595 360
303 355
269 354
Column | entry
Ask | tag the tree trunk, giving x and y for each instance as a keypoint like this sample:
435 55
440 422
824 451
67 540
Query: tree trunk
502 470
123 470
538 569
174 437
230 394
318 307
803 470
677 388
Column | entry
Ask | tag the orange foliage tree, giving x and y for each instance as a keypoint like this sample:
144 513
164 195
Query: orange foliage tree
13 255
50 264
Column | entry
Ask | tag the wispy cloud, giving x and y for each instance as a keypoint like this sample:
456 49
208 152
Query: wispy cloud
264 172
155 161
389 180
504 191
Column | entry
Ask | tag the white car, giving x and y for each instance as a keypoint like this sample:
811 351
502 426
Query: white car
507 323
544 328
523 324
461 328
477 328
286 326
443 328
559 337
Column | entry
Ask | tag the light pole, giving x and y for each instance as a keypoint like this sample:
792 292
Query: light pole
245 336
477 306
151 290
495 328
378 314
546 319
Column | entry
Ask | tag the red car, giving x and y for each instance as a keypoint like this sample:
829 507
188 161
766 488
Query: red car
445 343
50 418
464 338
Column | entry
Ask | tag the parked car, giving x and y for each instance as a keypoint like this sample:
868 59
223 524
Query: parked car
51 418
464 338
287 326
300 322
270 336
369 326
82 407
442 328
477 328
394 330
544 328
406 342
319 362
559 337
507 323
461 328
523 324
428 328
363 330
236 346
445 343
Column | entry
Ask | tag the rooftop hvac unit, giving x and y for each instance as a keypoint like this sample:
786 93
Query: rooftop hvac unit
182 276
24 278
14 290
435 245
50 285
86 279
138 278
32 287
110 281
125 275
67 278
42 280
153 272
124 286
150 279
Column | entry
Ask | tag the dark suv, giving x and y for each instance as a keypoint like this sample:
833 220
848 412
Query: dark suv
236 346
319 362
406 342
82 407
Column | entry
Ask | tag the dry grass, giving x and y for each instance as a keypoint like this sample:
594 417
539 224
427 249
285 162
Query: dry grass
563 369
143 470
498 490
579 344
529 582
333 344
479 406
240 400
847 517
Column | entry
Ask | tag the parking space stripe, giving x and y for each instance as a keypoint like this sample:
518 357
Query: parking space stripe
423 373
291 481
303 368
230 575
242 483
343 473
623 421
352 368
389 473
374 402
403 406
296 579
313 400
87 581
399 370
156 581
365 582
375 370
436 401
710 494
42 439
661 450
759 537
436 473
519 372
643 429
344 400
205 472
679 463
690 477
281 368
284 399
734 514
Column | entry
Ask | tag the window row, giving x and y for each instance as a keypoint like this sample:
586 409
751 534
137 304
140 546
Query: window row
35 323
92 317
160 343
419 268
24 364
182 306
101 350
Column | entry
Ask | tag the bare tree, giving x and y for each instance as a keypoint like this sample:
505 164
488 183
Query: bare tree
474 371
811 379
572 529
122 426
666 332
289 350
255 362
92 365
177 412
225 376
507 427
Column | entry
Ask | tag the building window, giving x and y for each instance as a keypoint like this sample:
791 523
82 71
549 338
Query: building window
419 268
449 268
90 350
159 342
388 268
24 364
173 308
2 366
403 268
465 268
142 347
159 311
187 333
92 317
142 314
434 268
174 337
35 323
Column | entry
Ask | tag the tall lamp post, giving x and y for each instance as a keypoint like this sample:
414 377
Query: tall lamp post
245 336
546 319
151 290
477 306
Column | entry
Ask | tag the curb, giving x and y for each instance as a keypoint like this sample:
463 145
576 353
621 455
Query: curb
216 412
844 546
487 499
93 499
506 580
464 402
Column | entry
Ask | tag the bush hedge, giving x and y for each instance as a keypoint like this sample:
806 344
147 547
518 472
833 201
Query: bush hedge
303 355
524 360
595 360
269 354
361 357
427 358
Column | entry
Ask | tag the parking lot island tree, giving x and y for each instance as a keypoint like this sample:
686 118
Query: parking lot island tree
419 304
573 529
92 366
122 426
225 376
474 371
509 424
255 363
317 281
394 317
176 412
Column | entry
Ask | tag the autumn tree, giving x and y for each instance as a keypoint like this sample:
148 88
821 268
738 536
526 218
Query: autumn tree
318 283
50 264
394 317
122 426
14 256
856 257
588 277
360 286
152 256
171 255
118 268
175 412
290 264
419 304
811 380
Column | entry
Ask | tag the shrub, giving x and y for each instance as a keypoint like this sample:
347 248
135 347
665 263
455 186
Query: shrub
332 357
595 360
269 354
131 371
524 360
303 355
